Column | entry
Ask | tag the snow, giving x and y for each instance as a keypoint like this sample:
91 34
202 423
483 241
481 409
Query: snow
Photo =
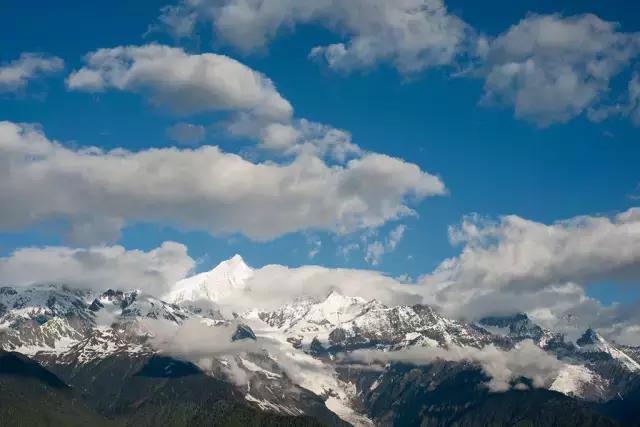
600 345
226 278
572 379
255 368
347 414
274 407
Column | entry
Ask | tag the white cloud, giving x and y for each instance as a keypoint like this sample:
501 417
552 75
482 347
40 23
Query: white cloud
628 107
16 74
185 83
202 188
186 133
502 366
376 249
179 21
552 68
297 137
99 268
316 245
275 285
194 83
411 35
517 265
374 252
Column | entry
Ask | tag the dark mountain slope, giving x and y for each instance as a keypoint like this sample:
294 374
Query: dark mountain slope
452 394
31 396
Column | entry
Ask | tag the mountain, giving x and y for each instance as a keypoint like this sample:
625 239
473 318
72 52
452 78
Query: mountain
176 360
226 278
30 395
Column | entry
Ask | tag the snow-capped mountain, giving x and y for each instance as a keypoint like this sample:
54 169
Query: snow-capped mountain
341 323
210 287
294 367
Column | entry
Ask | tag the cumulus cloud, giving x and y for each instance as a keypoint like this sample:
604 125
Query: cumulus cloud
501 366
411 35
195 83
204 188
16 74
98 268
549 68
552 68
296 137
186 133
515 264
185 83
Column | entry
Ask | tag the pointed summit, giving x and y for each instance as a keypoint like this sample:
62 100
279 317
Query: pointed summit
590 337
227 278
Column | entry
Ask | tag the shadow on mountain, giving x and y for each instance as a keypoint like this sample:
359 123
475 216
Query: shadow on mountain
16 364
167 367
150 391
30 395
454 394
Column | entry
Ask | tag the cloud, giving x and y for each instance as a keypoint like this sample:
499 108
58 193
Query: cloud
177 20
184 83
15 75
503 367
376 249
411 35
186 133
517 265
89 189
98 268
273 286
629 107
296 137
198 83
316 246
549 68
552 68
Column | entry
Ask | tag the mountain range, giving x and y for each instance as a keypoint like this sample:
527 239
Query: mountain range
123 357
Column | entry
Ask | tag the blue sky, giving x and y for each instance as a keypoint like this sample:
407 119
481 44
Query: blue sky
491 162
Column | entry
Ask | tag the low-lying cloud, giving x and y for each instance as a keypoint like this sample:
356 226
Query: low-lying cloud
98 268
503 367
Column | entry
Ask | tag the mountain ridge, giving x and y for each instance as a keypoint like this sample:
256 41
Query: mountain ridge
293 349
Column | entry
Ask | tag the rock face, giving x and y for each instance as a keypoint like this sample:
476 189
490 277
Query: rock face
243 332
293 360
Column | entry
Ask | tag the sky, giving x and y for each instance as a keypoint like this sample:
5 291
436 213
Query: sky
385 136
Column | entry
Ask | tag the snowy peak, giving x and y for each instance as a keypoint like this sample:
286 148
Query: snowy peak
592 342
226 278
518 327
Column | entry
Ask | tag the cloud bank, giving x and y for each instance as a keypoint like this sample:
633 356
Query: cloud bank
517 265
97 192
98 268
501 366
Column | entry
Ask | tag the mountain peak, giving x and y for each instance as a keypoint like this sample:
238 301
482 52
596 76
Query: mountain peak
224 279
590 337
236 260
